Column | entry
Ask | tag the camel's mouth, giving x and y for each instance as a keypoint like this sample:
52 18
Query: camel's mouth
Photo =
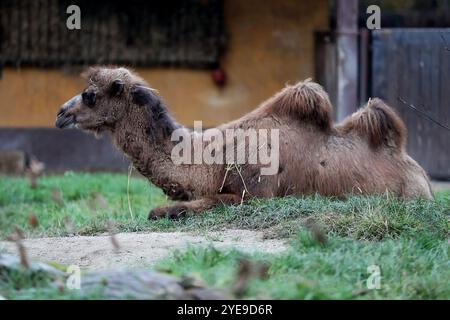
65 121
64 118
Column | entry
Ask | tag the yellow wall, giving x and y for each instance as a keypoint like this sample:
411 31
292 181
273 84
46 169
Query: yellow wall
271 43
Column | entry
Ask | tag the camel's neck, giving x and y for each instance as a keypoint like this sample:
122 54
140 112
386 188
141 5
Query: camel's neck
145 136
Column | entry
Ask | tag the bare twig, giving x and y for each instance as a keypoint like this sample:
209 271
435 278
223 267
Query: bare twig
130 170
318 234
33 220
243 277
17 238
445 42
229 167
69 224
242 198
423 114
238 169
114 242
247 271
33 171
98 202
56 197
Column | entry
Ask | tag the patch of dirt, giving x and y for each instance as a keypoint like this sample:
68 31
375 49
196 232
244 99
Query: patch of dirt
137 249
440 185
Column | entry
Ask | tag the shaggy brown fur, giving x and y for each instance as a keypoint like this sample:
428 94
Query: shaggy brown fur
379 124
364 154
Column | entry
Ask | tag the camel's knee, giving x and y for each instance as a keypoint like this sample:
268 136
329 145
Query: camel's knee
181 209
172 212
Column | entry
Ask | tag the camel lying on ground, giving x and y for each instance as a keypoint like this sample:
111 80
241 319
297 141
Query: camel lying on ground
365 154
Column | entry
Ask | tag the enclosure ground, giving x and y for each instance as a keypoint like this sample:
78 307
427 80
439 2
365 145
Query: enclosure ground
138 249
311 247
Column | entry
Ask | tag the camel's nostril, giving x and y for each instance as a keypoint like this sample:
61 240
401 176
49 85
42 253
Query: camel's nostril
60 112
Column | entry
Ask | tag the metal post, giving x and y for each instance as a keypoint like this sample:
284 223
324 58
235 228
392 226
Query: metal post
347 52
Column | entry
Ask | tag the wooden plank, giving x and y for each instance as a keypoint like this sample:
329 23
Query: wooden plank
347 48
413 64
379 70
363 66
325 64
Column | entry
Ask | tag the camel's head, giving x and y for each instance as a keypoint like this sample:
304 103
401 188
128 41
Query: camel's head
107 98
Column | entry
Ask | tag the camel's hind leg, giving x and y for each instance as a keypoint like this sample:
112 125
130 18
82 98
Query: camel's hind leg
180 209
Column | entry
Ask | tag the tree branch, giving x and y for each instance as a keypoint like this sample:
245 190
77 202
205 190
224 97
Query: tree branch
423 113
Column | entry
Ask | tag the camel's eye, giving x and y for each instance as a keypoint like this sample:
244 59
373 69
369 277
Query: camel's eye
89 98
117 87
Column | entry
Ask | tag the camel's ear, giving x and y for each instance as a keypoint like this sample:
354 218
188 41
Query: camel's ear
143 96
116 87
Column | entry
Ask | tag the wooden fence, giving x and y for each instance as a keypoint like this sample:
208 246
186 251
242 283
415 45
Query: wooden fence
412 67
403 67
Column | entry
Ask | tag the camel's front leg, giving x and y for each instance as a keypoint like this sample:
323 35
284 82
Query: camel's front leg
195 206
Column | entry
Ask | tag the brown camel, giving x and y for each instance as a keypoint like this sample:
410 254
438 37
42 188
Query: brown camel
365 154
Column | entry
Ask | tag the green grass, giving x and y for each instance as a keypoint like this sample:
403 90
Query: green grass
409 269
86 202
27 284
84 205
408 240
